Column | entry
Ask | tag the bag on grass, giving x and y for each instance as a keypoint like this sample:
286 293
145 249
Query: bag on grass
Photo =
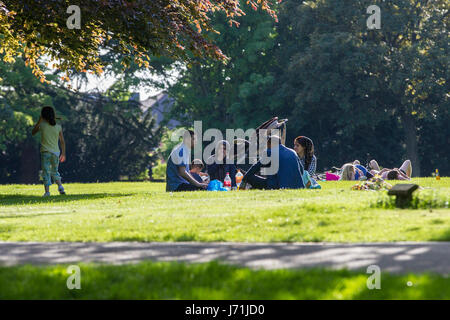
331 176
307 178
216 185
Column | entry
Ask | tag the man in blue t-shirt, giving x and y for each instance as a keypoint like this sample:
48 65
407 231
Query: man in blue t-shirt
289 174
177 172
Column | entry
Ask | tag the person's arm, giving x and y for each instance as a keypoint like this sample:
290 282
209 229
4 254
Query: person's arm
312 167
62 157
37 126
187 176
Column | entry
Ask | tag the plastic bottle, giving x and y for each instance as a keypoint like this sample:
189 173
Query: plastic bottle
438 177
227 182
239 177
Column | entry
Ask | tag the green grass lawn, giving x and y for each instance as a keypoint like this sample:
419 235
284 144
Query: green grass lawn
149 280
123 211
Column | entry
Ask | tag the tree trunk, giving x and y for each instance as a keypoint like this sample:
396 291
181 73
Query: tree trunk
412 152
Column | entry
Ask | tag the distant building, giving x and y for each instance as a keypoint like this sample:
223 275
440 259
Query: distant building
159 105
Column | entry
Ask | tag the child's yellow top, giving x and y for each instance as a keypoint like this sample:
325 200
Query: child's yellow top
49 137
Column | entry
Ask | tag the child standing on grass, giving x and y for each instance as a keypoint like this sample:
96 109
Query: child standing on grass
50 153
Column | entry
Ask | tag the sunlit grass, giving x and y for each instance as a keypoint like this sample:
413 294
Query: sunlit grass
123 211
151 280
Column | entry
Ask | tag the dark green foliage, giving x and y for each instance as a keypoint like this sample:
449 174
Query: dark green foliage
106 135
133 29
358 93
106 139
237 94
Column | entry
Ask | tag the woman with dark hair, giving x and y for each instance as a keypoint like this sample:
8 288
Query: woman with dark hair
304 147
51 156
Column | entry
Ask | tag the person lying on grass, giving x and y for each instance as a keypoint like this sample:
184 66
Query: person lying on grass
177 172
50 153
404 173
351 171
290 170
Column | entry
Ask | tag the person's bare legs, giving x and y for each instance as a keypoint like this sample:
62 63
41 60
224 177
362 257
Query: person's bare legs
407 168
374 165
402 176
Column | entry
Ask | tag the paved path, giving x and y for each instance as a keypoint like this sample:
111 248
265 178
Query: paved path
397 257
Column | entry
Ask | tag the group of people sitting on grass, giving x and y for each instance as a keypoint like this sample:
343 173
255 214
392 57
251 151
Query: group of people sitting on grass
296 169
182 175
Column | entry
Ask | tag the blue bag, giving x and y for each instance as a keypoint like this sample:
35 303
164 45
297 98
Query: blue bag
216 185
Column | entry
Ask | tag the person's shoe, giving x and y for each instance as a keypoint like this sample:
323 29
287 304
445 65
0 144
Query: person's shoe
47 194
61 190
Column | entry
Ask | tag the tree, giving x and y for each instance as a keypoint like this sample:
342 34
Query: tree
135 29
398 70
106 135
234 95
21 97
108 138
356 92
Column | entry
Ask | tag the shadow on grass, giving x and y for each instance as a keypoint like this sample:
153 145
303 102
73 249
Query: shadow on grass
167 238
16 199
31 215
445 236
212 280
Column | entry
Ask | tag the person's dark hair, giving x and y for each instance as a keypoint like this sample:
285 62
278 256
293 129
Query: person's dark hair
392 175
308 145
48 113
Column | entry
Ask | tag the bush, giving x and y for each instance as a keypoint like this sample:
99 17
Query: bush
159 171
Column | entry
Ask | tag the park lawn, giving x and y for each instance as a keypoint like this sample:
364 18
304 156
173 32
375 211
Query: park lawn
143 211
213 280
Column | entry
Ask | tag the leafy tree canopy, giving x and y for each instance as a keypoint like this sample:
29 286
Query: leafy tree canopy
134 28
